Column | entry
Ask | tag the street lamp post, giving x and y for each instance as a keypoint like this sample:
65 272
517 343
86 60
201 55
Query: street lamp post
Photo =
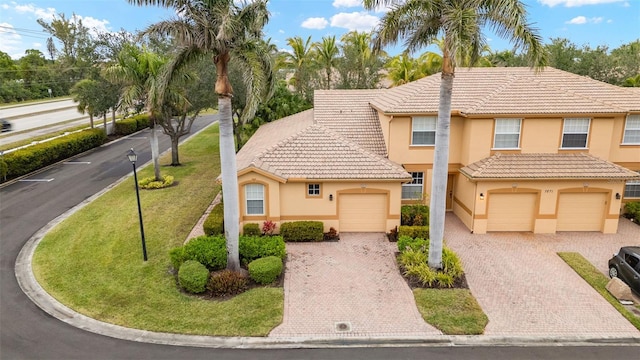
133 157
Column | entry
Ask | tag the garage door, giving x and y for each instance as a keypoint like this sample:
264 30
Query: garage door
581 211
363 212
511 212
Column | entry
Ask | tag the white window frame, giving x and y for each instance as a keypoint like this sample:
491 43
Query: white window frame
498 131
636 185
423 124
254 192
314 190
570 121
416 182
634 129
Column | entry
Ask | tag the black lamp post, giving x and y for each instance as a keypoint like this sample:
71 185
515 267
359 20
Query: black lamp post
133 157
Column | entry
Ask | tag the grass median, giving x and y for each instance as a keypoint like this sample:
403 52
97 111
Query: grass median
452 311
92 262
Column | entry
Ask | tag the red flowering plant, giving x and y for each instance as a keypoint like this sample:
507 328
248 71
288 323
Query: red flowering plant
268 227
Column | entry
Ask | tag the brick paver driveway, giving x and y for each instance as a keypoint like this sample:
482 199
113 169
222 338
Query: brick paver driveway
348 288
527 290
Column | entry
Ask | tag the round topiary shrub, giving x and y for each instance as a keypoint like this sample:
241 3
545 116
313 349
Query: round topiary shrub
193 276
265 270
152 183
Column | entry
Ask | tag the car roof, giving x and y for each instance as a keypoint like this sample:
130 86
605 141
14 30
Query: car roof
633 249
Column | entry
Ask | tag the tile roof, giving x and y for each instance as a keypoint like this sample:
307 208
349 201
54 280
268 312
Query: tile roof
348 113
318 153
511 90
545 166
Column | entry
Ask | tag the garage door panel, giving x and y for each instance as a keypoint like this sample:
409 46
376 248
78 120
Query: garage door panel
363 212
581 211
511 212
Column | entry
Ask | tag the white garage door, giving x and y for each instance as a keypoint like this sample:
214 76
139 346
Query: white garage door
511 212
581 211
362 212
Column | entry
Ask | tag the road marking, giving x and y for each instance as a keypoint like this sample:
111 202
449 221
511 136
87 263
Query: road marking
136 138
36 180
77 162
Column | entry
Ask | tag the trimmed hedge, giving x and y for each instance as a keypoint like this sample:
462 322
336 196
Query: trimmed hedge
632 211
255 247
414 215
251 229
24 161
265 270
302 231
193 277
132 124
214 223
407 242
210 251
414 231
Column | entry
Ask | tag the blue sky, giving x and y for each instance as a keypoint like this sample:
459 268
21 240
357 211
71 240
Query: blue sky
584 22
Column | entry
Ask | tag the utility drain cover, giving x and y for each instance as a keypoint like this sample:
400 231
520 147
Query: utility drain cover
343 326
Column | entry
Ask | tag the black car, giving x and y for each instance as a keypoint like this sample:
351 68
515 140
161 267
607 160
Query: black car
6 126
625 264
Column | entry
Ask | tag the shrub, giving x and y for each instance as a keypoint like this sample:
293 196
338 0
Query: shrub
632 211
405 242
214 223
414 231
26 160
255 247
268 227
392 235
193 276
331 235
451 263
126 126
414 262
227 283
177 256
151 183
265 270
142 121
302 231
210 251
414 215
251 230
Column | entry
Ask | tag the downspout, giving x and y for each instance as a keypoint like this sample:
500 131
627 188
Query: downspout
473 209
389 140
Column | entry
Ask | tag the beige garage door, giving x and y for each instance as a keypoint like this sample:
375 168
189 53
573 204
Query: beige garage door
581 211
511 212
363 212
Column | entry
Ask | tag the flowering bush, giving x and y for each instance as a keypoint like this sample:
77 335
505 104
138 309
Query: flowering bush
268 227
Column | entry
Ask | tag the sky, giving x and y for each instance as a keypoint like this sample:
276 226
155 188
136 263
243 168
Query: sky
583 22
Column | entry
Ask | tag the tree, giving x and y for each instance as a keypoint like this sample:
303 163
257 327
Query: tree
327 57
138 70
300 60
360 67
461 22
219 30
85 93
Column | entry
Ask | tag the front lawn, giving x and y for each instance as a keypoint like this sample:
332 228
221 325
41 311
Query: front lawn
92 262
598 281
452 311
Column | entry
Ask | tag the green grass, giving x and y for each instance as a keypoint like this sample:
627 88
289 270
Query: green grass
452 311
598 281
92 262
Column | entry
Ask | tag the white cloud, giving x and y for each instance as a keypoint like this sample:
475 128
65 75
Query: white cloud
315 23
360 21
346 3
95 26
40 13
576 3
281 31
5 6
609 21
579 20
10 40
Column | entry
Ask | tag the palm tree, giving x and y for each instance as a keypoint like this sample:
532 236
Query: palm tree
139 71
327 56
461 23
300 61
218 30
404 69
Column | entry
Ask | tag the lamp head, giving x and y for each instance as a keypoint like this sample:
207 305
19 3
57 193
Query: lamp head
133 157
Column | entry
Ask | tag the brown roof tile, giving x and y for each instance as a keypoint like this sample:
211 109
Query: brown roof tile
511 90
545 166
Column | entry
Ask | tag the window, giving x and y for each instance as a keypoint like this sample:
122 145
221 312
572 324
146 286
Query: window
413 190
507 134
423 130
632 130
313 189
255 199
632 189
575 133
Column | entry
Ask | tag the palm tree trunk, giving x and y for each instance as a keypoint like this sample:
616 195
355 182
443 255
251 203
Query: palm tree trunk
155 152
91 119
437 206
104 122
229 183
113 120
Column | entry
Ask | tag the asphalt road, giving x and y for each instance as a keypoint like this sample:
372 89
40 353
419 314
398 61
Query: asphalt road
26 332
11 111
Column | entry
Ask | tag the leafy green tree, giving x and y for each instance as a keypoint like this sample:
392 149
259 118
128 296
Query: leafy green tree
461 22
326 53
220 30
360 67
300 60
86 93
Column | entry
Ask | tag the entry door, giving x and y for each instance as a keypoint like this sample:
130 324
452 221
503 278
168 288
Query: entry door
450 180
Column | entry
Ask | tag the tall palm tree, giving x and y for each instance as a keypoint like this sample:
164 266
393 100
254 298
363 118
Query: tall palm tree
327 56
139 71
404 69
300 60
461 23
219 30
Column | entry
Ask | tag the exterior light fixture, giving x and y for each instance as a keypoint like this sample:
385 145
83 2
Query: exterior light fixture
618 196
133 157
481 196
330 197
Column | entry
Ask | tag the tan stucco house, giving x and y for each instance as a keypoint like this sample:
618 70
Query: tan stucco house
541 153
